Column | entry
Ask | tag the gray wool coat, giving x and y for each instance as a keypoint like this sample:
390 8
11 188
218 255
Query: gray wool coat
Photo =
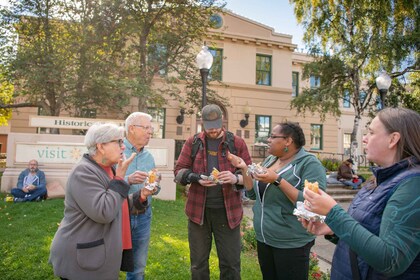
88 242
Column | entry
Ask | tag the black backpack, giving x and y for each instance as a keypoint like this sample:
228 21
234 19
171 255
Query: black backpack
229 143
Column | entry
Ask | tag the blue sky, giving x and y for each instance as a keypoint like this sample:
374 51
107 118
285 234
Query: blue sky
277 14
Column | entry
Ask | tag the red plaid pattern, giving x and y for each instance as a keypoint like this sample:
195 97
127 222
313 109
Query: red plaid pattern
197 193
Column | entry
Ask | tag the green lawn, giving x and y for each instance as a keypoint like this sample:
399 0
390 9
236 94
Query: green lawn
26 231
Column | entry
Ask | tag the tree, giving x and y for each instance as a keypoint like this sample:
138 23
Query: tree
162 37
352 41
6 91
63 59
77 54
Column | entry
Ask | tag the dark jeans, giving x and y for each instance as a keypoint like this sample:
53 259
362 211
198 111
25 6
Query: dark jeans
285 264
228 245
29 196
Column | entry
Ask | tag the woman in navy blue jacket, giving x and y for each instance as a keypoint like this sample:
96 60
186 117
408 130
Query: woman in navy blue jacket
379 237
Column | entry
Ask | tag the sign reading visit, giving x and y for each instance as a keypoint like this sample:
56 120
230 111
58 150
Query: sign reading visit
49 152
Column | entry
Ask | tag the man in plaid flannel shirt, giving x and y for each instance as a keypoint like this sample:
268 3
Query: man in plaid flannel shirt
213 209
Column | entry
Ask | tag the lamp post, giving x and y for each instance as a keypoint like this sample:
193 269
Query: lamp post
243 123
383 82
204 61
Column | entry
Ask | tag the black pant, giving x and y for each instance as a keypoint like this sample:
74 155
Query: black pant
285 264
228 245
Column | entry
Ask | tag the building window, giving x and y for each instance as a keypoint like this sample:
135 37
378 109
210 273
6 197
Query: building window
42 130
88 113
295 84
347 144
215 73
216 20
158 59
262 128
158 121
314 81
316 137
362 97
346 99
263 70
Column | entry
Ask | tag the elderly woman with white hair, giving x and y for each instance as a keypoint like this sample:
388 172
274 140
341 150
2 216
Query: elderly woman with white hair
89 241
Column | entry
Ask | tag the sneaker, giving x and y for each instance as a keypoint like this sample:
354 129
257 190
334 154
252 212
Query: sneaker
38 199
18 199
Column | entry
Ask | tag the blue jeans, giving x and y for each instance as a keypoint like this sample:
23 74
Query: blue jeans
140 236
29 196
353 185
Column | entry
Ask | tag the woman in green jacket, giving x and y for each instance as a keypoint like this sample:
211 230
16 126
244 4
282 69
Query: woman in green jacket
283 245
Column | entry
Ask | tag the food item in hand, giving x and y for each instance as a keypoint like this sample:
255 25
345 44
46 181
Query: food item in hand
152 176
151 182
215 173
256 168
312 186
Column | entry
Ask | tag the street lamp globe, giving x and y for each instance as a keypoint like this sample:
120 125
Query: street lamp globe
204 61
383 82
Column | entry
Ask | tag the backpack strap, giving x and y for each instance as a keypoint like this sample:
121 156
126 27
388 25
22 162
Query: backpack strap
229 143
197 144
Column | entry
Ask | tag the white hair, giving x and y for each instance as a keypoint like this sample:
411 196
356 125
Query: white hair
102 133
133 118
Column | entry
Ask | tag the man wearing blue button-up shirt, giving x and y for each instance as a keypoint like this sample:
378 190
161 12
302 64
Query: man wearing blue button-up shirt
139 130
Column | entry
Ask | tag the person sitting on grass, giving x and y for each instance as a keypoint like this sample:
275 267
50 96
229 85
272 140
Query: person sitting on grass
31 185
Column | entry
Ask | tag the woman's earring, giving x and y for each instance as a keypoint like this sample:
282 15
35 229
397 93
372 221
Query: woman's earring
286 149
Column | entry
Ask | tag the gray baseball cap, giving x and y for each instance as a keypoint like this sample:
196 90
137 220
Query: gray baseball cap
212 116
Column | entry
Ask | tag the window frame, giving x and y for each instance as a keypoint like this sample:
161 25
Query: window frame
217 63
314 81
266 130
346 99
295 87
321 137
263 71
160 119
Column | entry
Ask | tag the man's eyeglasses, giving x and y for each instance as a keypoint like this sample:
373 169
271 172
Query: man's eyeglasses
278 136
119 141
149 128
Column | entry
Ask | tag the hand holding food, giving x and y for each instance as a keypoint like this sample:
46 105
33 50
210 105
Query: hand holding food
213 176
256 169
312 186
152 179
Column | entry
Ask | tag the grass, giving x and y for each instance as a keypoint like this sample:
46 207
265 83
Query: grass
27 229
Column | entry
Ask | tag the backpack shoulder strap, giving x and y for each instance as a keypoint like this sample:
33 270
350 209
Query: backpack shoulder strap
230 140
196 145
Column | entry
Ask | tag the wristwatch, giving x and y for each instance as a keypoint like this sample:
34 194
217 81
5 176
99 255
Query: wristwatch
277 181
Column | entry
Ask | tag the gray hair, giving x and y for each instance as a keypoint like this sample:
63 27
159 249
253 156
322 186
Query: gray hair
102 133
134 117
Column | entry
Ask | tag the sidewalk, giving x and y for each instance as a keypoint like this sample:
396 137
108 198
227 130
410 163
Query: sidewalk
323 248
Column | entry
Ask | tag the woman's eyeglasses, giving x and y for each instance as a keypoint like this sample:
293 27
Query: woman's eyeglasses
119 141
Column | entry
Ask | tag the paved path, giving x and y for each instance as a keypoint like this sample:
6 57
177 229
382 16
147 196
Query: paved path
323 248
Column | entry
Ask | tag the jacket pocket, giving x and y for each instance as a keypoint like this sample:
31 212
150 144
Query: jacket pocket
91 255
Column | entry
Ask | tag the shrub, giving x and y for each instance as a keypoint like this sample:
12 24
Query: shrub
249 240
331 164
315 272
